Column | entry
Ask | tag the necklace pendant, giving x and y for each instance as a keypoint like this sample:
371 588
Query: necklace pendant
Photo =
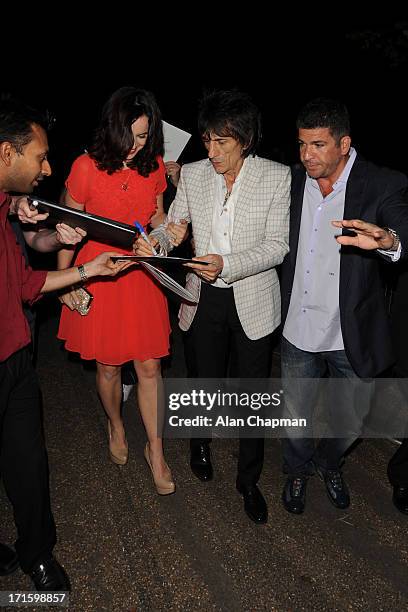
124 186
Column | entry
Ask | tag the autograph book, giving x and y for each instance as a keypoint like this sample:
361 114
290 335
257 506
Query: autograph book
154 264
101 229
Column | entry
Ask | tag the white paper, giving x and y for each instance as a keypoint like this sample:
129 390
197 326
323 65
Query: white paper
175 140
169 282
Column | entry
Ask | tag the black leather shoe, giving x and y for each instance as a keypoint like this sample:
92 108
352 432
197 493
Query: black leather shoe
254 503
336 488
200 462
400 499
294 494
49 575
8 560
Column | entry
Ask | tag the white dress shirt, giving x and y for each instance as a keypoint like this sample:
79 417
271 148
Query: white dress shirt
313 321
223 221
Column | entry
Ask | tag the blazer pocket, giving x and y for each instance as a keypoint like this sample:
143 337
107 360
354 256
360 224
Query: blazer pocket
268 284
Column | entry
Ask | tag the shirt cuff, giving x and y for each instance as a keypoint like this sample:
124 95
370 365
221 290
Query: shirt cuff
225 269
393 255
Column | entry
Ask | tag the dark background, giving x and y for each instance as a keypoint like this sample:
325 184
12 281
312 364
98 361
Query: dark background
282 63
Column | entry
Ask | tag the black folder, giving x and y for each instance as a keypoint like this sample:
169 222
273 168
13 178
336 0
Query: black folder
101 229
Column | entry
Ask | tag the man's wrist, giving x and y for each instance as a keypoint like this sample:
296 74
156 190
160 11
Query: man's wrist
395 239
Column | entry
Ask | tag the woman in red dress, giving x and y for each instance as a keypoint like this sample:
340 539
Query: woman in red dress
122 177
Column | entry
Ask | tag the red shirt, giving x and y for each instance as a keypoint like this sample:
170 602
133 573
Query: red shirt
18 284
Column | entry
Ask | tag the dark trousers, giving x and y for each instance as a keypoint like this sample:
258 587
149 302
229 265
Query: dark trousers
219 347
398 466
301 455
23 459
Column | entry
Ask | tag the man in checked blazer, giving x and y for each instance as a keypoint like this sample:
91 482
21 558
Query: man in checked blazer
238 206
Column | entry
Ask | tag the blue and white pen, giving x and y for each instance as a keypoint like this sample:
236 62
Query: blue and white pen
143 234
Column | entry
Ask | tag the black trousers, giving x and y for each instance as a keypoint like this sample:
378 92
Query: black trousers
219 347
398 464
23 459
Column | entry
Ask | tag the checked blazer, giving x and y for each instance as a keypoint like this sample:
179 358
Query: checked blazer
259 240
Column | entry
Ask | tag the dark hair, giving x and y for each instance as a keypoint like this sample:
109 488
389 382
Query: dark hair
16 121
325 113
114 139
231 113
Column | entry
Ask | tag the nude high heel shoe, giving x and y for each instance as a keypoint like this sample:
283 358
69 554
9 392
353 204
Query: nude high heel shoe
118 454
165 484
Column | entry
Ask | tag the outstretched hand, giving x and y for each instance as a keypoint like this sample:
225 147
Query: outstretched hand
103 265
368 236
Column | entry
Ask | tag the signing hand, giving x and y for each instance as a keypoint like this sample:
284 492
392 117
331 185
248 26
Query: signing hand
141 248
369 236
212 271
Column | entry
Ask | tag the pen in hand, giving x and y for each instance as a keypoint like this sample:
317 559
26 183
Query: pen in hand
143 234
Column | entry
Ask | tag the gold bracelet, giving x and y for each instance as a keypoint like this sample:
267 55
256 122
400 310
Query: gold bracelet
82 273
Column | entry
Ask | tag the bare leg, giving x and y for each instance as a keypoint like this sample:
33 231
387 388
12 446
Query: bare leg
109 387
149 377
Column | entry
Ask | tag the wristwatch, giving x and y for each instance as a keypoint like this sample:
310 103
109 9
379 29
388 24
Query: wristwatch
395 239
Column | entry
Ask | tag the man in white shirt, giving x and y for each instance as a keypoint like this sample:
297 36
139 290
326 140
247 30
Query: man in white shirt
333 298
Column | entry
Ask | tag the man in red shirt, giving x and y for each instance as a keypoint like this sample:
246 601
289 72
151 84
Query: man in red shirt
23 460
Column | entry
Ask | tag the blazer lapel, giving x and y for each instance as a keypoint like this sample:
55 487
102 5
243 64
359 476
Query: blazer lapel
353 205
246 196
354 191
207 200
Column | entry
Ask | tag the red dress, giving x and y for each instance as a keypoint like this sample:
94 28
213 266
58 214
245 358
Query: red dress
128 318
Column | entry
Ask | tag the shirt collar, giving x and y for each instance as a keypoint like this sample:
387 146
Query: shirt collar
343 178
